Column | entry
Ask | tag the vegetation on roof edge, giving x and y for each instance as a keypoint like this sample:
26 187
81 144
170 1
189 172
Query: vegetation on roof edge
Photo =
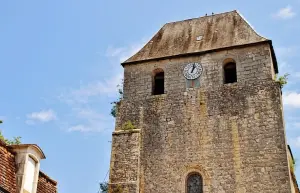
14 141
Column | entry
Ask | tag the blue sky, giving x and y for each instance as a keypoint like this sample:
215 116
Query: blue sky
60 64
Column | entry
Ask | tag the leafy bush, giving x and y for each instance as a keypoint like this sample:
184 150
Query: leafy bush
113 110
282 79
103 187
14 141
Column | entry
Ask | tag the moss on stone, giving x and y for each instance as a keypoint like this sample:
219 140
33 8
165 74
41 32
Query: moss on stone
128 126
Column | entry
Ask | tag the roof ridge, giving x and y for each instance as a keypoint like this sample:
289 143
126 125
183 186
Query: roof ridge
215 14
250 25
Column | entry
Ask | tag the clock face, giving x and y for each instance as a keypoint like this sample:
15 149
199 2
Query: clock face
192 71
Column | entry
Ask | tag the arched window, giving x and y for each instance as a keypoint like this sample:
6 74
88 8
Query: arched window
30 172
158 82
230 71
194 183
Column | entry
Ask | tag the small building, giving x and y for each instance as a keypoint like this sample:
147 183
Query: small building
20 170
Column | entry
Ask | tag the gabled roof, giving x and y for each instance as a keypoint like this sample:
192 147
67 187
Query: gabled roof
198 35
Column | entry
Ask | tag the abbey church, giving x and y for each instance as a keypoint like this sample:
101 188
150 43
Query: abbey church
202 113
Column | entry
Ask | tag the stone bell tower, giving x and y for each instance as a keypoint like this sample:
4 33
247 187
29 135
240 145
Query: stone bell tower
201 113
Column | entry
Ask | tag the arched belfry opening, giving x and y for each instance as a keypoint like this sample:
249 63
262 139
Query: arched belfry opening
158 85
230 75
194 183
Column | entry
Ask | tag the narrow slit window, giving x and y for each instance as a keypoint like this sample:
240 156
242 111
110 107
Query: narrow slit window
230 73
194 183
159 83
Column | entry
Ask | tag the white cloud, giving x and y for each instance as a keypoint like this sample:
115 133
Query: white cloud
296 124
291 99
82 100
284 52
88 113
107 87
113 52
284 67
296 74
285 13
292 125
91 121
84 94
80 128
79 101
130 52
123 53
295 141
41 116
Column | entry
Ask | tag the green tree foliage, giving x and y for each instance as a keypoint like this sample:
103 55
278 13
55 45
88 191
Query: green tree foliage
103 187
14 141
282 79
113 110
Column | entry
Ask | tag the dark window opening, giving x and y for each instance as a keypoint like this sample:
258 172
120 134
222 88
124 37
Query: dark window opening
159 84
230 73
194 183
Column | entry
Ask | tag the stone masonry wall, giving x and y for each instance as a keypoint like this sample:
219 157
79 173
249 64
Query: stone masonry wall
254 63
7 169
232 134
124 161
46 185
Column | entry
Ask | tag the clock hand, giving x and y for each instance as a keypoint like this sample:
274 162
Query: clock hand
193 68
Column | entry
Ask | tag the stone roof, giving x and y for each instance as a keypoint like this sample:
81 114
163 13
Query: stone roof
198 35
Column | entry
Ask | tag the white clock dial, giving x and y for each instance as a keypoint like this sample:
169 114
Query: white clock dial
192 71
